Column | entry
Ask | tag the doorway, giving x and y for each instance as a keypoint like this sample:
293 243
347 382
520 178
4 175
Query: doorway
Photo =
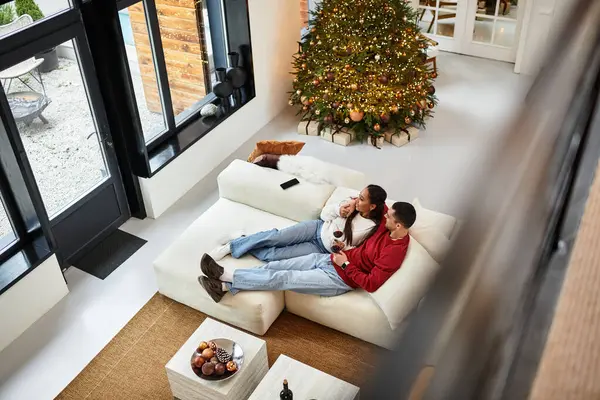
481 28
55 114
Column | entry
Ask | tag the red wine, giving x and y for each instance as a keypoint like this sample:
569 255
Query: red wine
338 234
286 393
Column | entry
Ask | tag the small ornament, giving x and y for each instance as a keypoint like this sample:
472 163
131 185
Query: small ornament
317 112
377 127
298 92
330 76
208 353
231 366
395 109
328 119
202 346
312 43
362 21
347 120
316 82
354 86
335 10
434 75
412 113
383 79
303 66
423 104
347 66
319 42
220 369
404 18
335 104
431 89
377 57
291 103
356 115
198 362
385 118
223 356
370 78
305 108
398 95
407 120
304 100
208 369
430 105
350 105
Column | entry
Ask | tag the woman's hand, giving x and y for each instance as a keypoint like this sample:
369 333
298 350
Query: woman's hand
347 208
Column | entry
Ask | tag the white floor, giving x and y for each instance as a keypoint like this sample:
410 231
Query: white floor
477 98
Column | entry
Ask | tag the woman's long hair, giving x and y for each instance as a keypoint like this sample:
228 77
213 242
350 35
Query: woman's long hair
377 196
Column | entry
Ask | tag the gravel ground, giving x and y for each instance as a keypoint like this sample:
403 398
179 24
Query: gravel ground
65 154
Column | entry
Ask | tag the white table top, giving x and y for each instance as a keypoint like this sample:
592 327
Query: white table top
211 329
305 382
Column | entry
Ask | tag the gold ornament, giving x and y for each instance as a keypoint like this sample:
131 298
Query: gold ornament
350 106
291 103
312 43
356 115
412 113
430 105
317 112
303 66
395 109
347 120
377 127
354 86
298 92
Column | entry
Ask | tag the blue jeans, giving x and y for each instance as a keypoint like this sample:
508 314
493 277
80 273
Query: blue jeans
301 239
311 274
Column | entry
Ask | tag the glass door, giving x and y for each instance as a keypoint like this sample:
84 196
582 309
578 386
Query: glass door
481 28
492 29
55 110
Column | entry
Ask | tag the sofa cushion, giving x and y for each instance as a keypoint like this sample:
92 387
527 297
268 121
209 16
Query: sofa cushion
401 293
177 268
260 188
354 313
427 219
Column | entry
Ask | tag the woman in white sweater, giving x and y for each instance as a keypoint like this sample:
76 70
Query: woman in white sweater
342 226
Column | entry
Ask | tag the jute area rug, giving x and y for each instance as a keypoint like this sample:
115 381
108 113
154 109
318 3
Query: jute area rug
132 365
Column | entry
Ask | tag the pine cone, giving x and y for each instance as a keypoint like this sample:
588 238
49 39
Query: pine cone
223 356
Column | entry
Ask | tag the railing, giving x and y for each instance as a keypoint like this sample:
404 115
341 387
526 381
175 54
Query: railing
466 339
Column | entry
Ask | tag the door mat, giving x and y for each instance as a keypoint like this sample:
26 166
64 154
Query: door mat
109 254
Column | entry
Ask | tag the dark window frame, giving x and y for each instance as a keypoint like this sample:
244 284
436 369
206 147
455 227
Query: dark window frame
154 155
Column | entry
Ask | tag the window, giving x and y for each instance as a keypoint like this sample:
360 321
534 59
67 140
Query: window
7 235
17 16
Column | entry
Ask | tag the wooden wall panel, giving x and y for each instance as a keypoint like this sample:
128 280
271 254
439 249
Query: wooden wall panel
183 46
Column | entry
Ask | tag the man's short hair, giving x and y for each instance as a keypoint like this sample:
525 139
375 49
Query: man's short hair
404 213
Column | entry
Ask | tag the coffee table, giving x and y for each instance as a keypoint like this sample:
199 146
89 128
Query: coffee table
305 382
185 385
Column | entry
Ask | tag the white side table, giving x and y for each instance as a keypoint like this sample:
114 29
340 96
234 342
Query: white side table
305 382
185 385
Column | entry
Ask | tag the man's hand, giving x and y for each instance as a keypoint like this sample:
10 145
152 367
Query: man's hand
347 208
339 258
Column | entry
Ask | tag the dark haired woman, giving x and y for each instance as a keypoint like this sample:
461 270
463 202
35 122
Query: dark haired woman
341 227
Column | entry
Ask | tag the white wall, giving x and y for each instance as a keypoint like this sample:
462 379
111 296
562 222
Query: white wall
274 27
541 23
29 299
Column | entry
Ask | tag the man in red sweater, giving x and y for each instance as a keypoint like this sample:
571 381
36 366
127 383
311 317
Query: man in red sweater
368 266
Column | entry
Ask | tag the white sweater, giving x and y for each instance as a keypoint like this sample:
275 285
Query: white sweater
334 222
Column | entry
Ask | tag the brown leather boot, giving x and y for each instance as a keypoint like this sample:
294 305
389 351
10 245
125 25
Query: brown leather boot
213 287
210 268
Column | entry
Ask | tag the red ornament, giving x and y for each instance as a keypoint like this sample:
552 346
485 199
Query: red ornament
377 127
347 66
330 76
385 118
316 82
383 79
434 75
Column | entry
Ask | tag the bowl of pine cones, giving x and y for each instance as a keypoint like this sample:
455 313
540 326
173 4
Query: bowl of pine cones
217 359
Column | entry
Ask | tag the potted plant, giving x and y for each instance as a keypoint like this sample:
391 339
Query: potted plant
50 56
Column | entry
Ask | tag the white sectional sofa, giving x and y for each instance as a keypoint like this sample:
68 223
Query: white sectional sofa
252 200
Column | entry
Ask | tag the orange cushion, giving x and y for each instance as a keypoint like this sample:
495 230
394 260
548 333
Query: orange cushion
291 147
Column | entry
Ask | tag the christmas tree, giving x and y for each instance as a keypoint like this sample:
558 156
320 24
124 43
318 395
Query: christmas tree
361 65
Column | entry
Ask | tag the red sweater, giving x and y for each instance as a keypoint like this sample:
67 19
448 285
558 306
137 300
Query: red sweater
375 261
